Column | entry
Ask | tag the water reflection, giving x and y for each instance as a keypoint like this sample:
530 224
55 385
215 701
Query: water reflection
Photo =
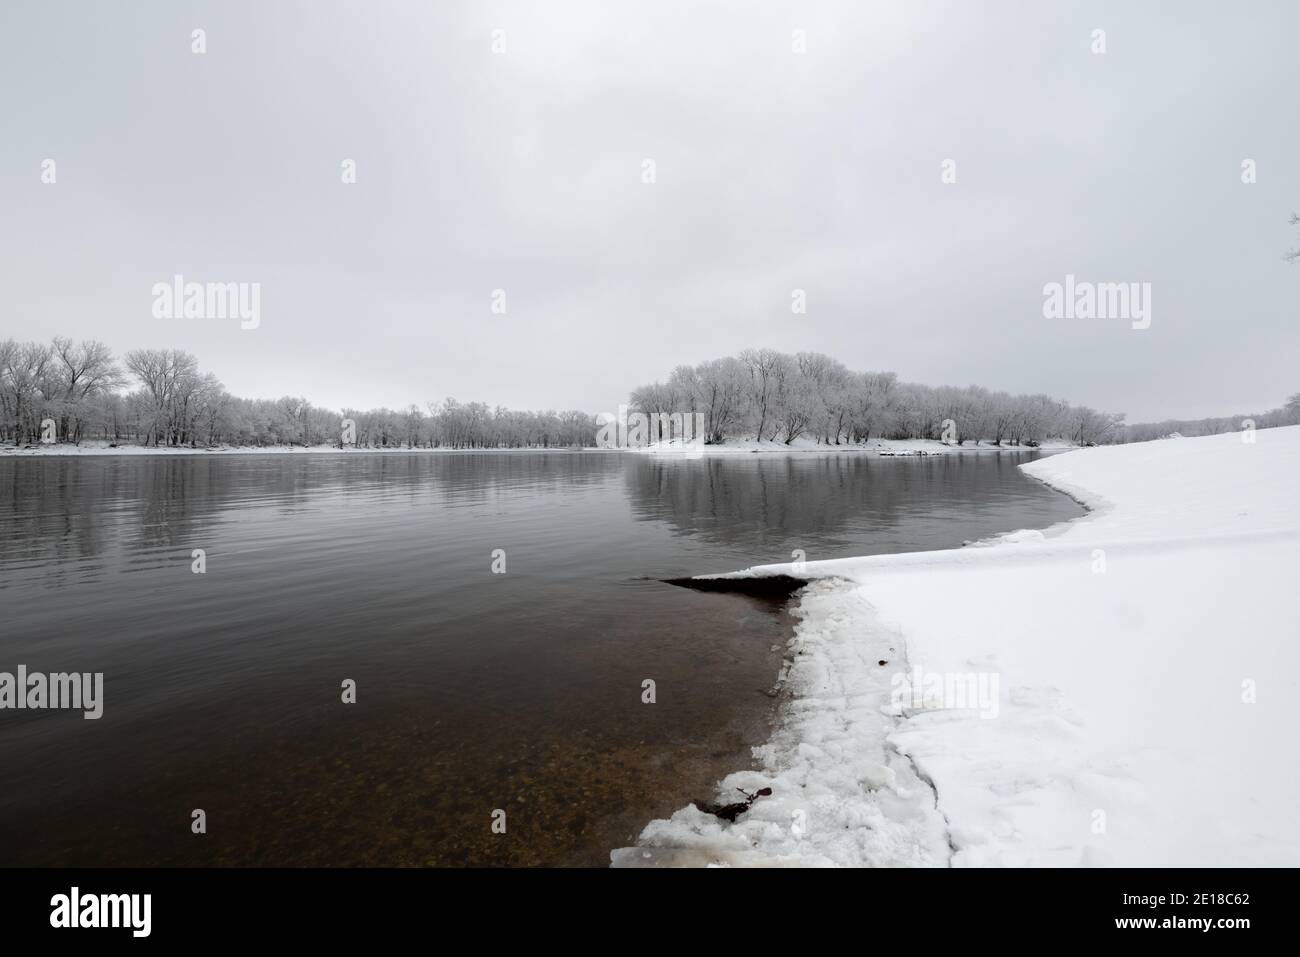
839 504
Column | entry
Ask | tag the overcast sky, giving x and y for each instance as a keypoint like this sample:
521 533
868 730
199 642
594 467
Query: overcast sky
775 171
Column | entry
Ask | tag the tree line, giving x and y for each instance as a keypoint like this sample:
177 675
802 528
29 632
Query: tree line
1286 414
774 396
160 398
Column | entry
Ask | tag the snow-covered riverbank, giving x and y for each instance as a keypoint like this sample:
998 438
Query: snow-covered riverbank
886 447
1145 660
883 447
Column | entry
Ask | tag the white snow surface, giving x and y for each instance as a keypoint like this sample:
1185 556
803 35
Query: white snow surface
1146 658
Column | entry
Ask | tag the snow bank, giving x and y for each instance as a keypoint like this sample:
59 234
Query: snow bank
1145 660
841 794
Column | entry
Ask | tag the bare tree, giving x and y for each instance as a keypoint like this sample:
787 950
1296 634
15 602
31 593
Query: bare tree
170 378
88 372
761 364
29 387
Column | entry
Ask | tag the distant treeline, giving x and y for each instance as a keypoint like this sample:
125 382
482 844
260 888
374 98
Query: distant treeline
774 396
158 397
1288 414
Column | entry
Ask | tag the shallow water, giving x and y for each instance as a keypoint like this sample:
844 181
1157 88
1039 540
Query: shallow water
476 692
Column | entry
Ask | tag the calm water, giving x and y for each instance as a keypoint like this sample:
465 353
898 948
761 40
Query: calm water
475 691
